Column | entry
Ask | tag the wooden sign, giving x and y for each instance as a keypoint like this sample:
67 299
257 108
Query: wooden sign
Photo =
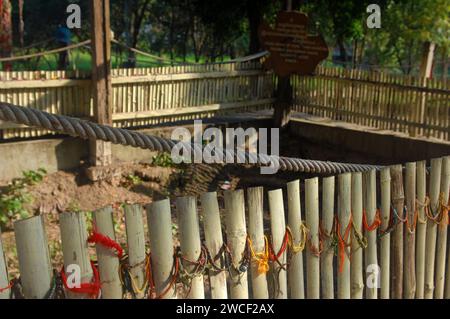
291 49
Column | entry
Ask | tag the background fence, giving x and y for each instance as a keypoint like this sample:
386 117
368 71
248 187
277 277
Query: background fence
363 235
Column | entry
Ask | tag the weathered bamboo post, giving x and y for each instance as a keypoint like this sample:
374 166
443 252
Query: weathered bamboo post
214 243
34 259
356 262
409 270
278 228
421 228
159 222
296 281
430 250
256 233
326 260
236 240
398 197
385 241
344 200
313 253
441 247
190 244
108 261
75 248
370 208
4 282
136 247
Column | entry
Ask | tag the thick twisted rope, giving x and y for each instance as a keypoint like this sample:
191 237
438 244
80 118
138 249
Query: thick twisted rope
90 130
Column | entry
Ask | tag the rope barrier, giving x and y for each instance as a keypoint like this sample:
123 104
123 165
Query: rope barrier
90 288
186 277
360 238
7 287
342 241
129 281
261 258
376 222
174 275
98 238
93 131
296 248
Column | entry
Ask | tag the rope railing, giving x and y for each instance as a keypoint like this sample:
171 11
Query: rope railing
93 131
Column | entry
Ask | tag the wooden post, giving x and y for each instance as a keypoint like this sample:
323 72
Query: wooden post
34 259
421 228
159 222
236 241
356 262
441 247
136 246
385 242
190 245
75 248
296 281
398 198
4 281
256 233
344 199
326 260
312 254
430 250
108 261
214 242
278 228
283 103
370 208
409 270
101 77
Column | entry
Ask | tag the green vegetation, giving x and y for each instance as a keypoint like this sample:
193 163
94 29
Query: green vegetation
15 197
162 159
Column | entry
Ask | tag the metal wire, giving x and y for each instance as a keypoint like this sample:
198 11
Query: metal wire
93 131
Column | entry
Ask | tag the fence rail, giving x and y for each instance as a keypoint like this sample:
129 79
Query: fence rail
366 236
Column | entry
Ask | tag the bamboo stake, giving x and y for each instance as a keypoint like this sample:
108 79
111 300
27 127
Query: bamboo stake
385 242
108 262
312 222
236 241
161 246
256 233
356 262
421 229
441 247
75 248
278 227
136 247
214 243
397 197
344 199
370 209
326 262
34 259
430 251
409 270
295 271
4 282
190 244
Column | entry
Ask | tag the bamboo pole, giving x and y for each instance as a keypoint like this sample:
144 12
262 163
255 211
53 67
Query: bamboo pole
397 197
236 241
4 281
370 208
356 262
385 241
34 260
312 222
295 271
326 260
256 233
136 247
214 243
409 270
278 228
421 228
441 248
430 250
344 200
190 245
161 246
108 261
75 248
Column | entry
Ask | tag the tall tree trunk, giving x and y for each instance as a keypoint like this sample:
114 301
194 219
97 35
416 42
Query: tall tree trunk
342 51
5 32
444 64
254 19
